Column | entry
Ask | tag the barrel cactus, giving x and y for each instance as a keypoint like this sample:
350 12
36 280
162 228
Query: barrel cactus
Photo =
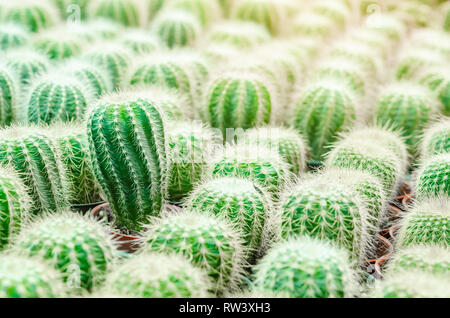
313 25
27 64
388 25
99 29
154 7
324 109
207 11
129 154
426 223
210 242
153 275
15 205
80 248
306 268
337 11
34 157
9 95
126 12
140 42
414 60
12 35
57 45
25 277
239 34
438 80
433 178
436 139
91 75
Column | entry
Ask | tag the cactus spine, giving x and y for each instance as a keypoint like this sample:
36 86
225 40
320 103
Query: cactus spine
8 95
433 179
126 12
12 36
27 64
436 139
152 275
129 149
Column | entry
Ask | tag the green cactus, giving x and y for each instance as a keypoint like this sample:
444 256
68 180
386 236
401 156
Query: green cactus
100 28
69 7
414 60
12 35
27 64
433 179
259 164
337 11
306 268
35 15
239 100
207 11
55 97
80 248
438 80
406 107
432 39
129 153
426 223
71 143
154 7
126 12
324 110
329 210
240 34
176 28
210 242
287 142
34 157
190 146
237 199
446 23
140 42
57 45
373 39
14 205
388 25
436 139
90 75
25 277
152 275
310 24
9 95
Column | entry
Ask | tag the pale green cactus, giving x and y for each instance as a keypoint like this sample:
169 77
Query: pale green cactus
337 11
12 35
438 80
27 64
99 28
433 178
207 11
57 45
240 34
140 42
388 25
126 12
414 60
154 7
68 8
310 24
9 95
436 139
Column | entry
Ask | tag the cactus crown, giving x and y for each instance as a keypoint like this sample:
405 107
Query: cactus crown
57 45
239 34
126 12
27 64
414 60
140 42
438 80
207 11
12 35
436 139
313 24
433 179
388 25
337 11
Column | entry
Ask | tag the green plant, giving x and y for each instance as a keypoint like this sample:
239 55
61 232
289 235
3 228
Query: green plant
126 12
154 7
416 59
14 205
25 277
438 80
207 11
34 157
9 95
57 45
140 42
90 75
305 268
389 25
12 35
129 155
324 110
311 24
208 241
190 146
152 275
27 64
237 199
337 11
436 139
80 248
426 223
433 178
100 29
239 34
67 8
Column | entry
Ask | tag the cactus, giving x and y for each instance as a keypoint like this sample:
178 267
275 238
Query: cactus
406 107
100 28
71 143
24 277
239 34
35 15
313 25
69 8
436 139
258 164
55 97
9 95
176 28
239 100
27 64
140 42
433 179
287 142
12 35
210 242
387 25
34 157
323 110
57 47
207 11
15 204
152 275
126 12
327 209
129 153
337 11
305 268
415 60
373 39
429 259
190 146
426 223
154 7
80 248
432 39
90 75
438 80
237 199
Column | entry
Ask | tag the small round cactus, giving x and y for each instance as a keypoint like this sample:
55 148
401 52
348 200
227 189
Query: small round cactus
337 11
154 7
327 209
12 35
190 146
426 223
126 12
416 59
313 25
25 277
91 75
438 80
406 107
80 248
140 42
207 11
152 275
34 157
239 100
239 34
15 204
69 7
433 179
9 95
306 268
99 28
27 64
57 46
324 110
436 139
387 25
287 142
176 28
210 242
237 199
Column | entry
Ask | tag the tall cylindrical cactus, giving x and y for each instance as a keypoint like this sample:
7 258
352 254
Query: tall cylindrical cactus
126 12
129 150
433 178
436 139
9 95
12 35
